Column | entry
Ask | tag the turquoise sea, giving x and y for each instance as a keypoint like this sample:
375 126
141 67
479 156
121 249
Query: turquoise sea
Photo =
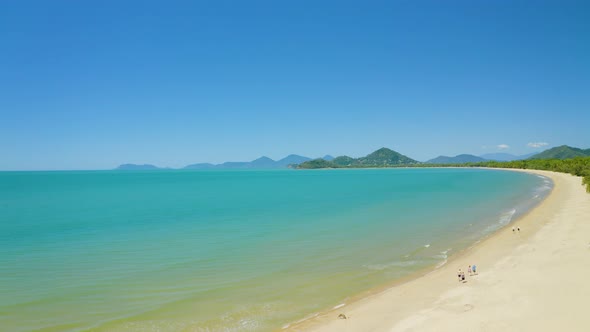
231 250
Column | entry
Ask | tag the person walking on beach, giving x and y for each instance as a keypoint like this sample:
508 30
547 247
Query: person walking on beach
518 229
473 268
469 271
459 274
512 229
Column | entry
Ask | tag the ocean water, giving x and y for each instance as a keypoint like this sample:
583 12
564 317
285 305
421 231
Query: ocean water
231 250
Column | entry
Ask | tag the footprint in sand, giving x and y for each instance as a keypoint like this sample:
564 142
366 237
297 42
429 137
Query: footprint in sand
455 307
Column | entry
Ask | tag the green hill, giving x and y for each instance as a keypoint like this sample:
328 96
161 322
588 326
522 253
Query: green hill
343 161
381 158
562 152
385 157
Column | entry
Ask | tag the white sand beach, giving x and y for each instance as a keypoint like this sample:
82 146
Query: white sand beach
535 280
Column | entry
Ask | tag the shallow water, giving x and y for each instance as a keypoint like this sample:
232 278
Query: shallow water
230 250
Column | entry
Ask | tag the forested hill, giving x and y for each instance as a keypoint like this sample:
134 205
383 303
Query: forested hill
562 152
383 157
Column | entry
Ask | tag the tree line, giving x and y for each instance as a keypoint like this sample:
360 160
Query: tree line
579 166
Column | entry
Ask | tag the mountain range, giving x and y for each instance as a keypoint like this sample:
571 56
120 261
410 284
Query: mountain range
506 156
460 159
260 163
381 158
136 167
469 158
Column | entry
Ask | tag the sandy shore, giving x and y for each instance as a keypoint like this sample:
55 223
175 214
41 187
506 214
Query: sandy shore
535 280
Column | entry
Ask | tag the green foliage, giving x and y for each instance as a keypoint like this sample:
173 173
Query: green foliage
381 158
384 157
586 181
317 163
579 166
343 161
562 152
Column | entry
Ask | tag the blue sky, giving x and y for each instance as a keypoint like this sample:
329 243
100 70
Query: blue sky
90 85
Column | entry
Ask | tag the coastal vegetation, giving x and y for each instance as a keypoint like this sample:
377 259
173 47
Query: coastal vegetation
578 166
562 159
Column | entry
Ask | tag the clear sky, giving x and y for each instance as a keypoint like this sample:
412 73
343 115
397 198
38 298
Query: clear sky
94 84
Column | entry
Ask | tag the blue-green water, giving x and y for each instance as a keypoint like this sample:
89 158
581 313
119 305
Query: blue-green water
230 250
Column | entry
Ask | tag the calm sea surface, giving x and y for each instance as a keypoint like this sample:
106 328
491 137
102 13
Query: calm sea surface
230 250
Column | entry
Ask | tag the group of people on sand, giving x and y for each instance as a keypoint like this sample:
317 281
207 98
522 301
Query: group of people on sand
472 269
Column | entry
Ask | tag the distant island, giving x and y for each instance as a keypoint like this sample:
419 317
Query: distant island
135 167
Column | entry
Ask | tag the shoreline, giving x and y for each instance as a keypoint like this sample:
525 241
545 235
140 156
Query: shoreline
428 298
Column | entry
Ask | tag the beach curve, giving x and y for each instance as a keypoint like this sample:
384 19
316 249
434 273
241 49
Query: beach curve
532 280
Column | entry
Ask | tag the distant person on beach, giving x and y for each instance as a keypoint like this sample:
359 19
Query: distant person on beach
518 228
473 268
459 274
512 229
462 276
469 271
